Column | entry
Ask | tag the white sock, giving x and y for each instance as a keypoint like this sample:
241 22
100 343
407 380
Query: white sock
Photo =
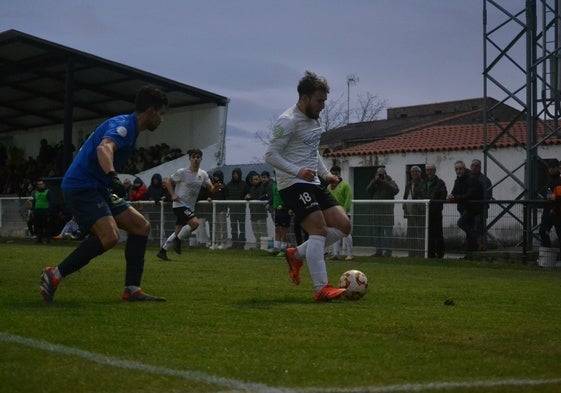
283 246
169 241
133 288
184 232
333 234
349 243
315 261
278 245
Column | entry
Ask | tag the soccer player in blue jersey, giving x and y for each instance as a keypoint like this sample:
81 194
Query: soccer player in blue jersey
93 192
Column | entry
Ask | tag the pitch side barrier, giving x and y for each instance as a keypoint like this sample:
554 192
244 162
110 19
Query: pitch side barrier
508 224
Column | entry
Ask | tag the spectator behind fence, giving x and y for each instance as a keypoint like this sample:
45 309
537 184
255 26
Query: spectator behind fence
415 213
282 222
236 190
156 191
43 206
383 187
435 190
468 189
487 195
220 229
257 212
341 191
550 216
138 191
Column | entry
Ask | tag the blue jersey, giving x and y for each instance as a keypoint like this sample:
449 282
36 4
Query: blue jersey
85 171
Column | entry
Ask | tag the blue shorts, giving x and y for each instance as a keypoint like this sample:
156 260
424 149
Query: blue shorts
88 206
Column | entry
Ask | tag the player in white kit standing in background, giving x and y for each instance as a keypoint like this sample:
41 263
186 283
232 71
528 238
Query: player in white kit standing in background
293 151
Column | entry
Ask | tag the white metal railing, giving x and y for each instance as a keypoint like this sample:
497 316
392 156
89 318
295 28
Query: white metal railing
364 215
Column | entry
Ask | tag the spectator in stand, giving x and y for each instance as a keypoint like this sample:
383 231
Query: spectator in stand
435 190
43 205
550 216
156 191
257 212
341 191
415 213
138 191
466 190
236 190
383 187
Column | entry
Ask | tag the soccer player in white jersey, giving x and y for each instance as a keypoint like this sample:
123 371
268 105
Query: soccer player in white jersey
184 186
293 151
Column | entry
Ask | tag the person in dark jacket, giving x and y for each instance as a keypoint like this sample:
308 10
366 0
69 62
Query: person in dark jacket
220 230
467 189
415 213
383 187
550 217
435 190
236 190
156 190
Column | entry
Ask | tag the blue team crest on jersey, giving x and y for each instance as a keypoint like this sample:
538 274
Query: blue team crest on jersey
122 131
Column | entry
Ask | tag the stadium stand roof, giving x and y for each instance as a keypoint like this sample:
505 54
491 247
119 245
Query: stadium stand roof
43 83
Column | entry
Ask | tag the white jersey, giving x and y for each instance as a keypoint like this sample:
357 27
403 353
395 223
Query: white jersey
293 146
187 186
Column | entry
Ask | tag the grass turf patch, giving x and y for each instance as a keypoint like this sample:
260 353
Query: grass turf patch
236 315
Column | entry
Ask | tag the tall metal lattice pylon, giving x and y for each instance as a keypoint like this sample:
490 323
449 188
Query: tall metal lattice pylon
522 62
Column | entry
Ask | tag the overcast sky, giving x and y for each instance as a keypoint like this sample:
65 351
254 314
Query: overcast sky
407 52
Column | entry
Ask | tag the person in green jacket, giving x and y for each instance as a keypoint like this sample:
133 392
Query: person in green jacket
282 222
343 194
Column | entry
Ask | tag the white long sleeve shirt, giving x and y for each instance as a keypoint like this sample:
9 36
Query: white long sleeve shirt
293 146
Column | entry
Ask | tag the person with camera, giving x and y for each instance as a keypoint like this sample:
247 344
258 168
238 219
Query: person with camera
383 187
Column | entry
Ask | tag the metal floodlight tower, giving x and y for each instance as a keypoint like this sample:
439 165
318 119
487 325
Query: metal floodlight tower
522 62
352 79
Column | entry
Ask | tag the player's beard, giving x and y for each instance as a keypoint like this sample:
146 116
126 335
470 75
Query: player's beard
311 114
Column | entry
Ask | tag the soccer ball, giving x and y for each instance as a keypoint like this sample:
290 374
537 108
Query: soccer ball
355 283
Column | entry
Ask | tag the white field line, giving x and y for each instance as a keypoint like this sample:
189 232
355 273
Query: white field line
234 385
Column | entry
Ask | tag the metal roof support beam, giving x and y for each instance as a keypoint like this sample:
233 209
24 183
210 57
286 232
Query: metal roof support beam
68 112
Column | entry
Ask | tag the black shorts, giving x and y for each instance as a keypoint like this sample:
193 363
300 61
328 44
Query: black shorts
304 198
282 218
183 215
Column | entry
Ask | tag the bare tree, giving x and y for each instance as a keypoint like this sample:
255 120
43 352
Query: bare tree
369 107
334 114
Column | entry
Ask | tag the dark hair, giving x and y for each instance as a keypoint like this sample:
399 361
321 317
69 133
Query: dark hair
192 152
150 96
265 173
310 83
335 168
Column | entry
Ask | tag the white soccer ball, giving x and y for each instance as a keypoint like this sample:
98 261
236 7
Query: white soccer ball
355 283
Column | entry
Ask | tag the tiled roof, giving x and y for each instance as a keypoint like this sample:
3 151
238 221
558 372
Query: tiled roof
446 138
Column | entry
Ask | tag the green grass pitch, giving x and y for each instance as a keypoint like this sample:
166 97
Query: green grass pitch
233 322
